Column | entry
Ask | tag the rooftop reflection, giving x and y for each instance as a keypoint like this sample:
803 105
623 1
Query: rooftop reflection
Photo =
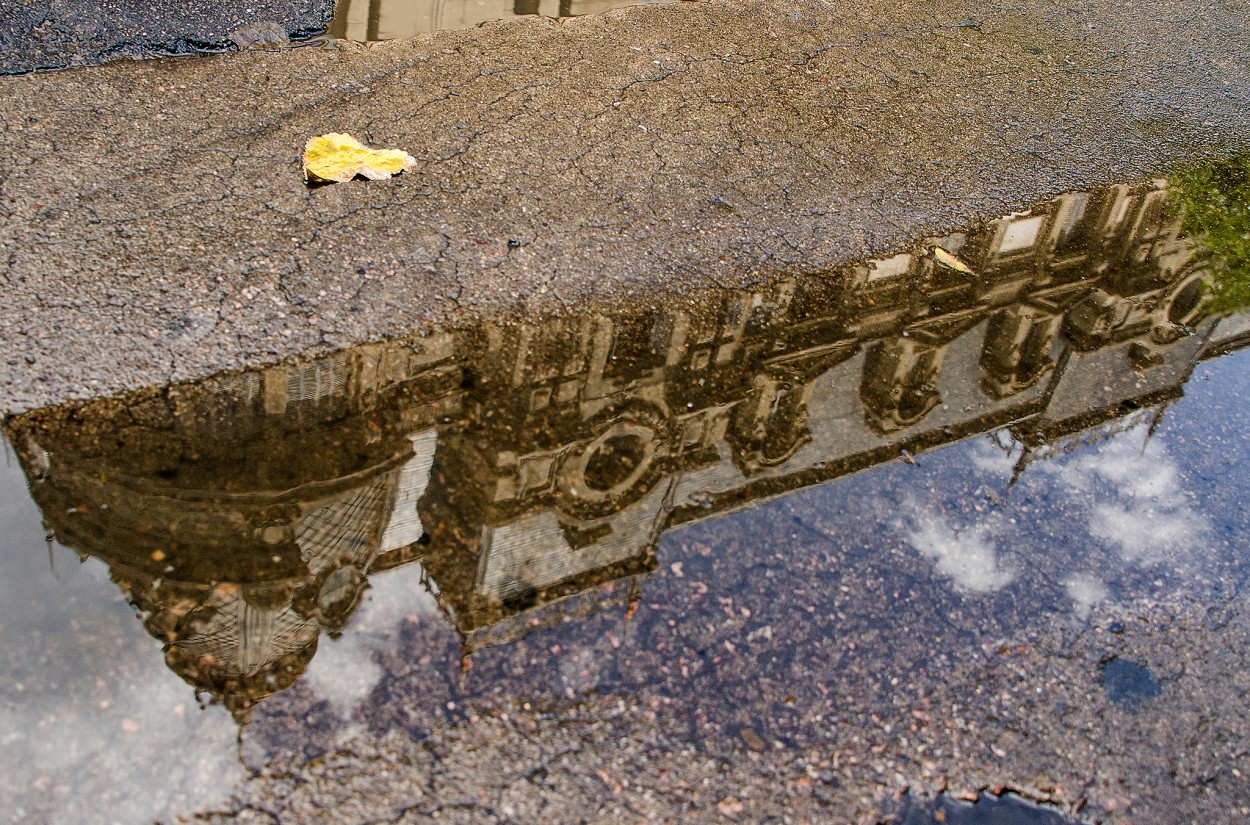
523 466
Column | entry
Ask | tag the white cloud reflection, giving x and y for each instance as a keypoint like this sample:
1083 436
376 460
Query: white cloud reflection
94 729
1086 591
101 732
1118 502
345 670
964 555
1139 509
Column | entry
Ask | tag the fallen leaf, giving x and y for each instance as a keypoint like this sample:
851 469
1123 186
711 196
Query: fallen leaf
337 157
947 259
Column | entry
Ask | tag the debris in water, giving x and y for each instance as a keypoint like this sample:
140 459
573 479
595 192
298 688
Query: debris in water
977 809
948 260
338 157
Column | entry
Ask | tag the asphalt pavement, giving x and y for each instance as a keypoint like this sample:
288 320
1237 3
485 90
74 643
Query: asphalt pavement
155 225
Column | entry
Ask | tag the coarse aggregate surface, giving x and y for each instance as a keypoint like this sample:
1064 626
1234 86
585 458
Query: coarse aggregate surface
155 226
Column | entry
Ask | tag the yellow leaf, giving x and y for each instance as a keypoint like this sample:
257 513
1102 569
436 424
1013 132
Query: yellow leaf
947 259
338 157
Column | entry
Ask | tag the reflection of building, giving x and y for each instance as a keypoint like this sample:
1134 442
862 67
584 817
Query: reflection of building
241 515
526 465
368 20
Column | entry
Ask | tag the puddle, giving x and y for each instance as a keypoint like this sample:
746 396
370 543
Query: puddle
38 42
779 521
986 809
367 21
38 38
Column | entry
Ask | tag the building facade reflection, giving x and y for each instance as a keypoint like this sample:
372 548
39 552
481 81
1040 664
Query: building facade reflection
525 465
371 20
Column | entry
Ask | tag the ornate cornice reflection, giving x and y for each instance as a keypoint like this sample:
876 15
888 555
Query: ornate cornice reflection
528 466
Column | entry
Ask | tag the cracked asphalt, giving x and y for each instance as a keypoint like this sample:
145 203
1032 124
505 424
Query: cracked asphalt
154 224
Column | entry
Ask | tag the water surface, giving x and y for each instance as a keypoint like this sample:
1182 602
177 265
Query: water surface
777 520
366 21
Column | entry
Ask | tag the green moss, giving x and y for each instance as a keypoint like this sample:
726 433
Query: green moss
1215 203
